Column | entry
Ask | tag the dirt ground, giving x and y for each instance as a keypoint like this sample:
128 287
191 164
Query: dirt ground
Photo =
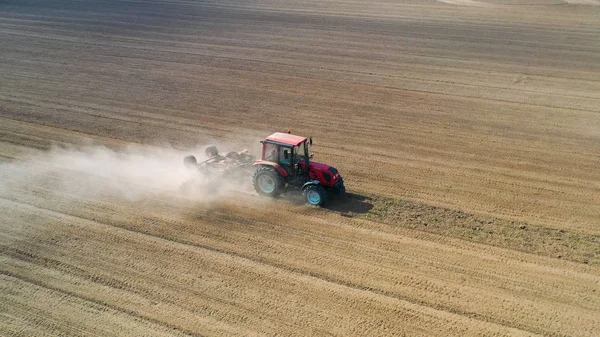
468 134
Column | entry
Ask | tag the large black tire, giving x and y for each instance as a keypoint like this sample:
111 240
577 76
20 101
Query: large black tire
190 162
315 195
268 182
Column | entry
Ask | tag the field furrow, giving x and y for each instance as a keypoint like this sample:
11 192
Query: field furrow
467 133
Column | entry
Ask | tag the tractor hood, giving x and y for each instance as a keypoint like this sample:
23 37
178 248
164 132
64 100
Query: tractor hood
319 166
326 174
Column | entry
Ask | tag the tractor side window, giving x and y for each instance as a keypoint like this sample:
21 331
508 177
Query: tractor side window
285 156
300 152
270 152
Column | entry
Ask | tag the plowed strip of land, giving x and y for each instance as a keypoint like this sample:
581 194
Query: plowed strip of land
449 105
454 124
193 261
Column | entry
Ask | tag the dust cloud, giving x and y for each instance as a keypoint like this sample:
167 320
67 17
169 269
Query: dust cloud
133 172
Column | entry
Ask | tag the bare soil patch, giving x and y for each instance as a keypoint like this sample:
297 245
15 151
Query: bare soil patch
467 133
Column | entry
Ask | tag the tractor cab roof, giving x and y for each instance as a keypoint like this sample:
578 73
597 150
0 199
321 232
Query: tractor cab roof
286 138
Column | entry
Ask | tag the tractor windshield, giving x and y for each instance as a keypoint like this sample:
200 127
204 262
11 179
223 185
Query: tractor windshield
300 152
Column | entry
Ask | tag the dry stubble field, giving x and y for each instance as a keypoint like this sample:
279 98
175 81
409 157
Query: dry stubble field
468 133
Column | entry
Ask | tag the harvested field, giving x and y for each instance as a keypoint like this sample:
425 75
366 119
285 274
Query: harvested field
468 133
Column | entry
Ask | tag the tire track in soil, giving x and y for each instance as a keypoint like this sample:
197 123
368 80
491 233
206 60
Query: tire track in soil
284 266
236 256
504 150
132 313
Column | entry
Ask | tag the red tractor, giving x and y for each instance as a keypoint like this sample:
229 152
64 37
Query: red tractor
285 164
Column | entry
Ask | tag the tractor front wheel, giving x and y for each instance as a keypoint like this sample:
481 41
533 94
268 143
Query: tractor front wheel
315 195
268 182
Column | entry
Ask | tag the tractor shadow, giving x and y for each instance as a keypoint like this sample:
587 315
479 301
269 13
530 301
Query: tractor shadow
350 203
346 205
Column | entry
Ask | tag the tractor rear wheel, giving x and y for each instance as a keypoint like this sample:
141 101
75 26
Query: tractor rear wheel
315 195
268 182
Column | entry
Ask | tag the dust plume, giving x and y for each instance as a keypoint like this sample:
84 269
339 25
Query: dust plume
133 172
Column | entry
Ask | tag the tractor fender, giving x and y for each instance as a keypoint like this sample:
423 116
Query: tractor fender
310 182
269 163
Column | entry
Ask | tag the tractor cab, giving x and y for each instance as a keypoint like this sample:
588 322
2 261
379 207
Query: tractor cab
285 163
289 152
